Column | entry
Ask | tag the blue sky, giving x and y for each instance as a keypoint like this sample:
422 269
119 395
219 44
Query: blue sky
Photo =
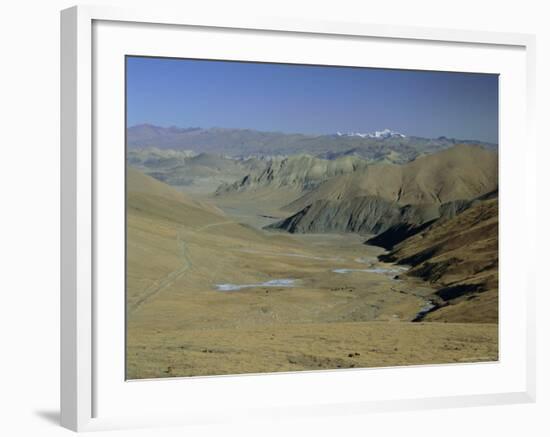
310 99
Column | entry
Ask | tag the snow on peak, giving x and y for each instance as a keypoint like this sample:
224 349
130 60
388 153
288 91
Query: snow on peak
385 133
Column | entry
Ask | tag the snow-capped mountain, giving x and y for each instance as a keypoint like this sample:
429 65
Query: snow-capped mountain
386 133
385 145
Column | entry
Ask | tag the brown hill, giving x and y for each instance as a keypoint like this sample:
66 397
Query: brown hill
363 214
460 257
138 183
402 197
298 172
461 172
195 173
158 217
407 228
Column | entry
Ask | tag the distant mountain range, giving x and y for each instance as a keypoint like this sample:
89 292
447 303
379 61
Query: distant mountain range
381 146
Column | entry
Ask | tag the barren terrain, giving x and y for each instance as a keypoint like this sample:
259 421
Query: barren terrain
210 292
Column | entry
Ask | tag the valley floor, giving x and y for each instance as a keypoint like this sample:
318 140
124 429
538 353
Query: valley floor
208 295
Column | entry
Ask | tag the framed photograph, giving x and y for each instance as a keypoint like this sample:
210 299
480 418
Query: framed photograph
273 218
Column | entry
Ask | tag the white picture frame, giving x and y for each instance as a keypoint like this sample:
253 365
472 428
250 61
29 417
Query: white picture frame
85 381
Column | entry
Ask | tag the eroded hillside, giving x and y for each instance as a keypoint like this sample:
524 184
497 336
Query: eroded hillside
383 196
459 257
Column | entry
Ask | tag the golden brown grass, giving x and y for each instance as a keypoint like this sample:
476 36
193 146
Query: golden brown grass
308 346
